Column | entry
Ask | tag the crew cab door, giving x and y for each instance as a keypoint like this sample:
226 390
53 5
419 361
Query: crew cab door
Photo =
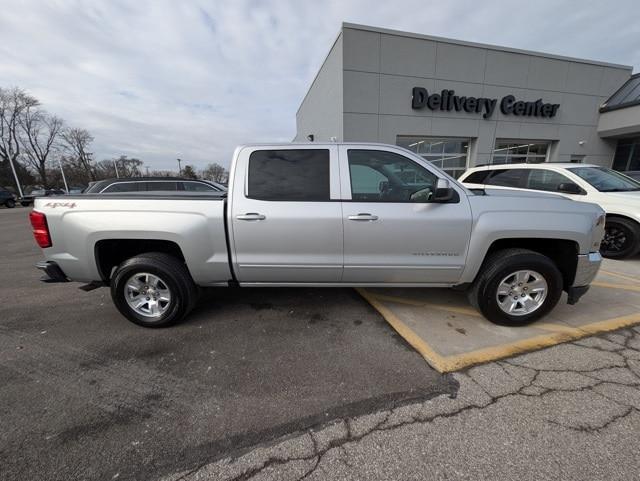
393 232
286 219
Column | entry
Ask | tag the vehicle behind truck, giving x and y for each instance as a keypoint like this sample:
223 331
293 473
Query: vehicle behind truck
324 215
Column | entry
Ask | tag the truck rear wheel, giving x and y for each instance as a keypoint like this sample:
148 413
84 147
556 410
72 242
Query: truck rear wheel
516 287
153 290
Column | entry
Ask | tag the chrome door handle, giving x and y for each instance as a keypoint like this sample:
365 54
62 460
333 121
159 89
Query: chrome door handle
364 217
251 216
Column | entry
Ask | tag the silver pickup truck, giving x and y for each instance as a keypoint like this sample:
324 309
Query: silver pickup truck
324 215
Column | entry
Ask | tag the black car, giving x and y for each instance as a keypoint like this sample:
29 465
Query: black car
7 198
154 184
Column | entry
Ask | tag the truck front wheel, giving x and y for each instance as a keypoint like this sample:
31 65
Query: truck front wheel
153 290
516 287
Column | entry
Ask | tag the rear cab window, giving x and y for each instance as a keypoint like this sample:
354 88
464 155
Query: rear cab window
296 175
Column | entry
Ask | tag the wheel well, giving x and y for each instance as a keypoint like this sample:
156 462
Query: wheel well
620 216
112 252
564 253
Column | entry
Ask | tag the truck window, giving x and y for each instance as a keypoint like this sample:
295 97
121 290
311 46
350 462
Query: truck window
300 175
380 176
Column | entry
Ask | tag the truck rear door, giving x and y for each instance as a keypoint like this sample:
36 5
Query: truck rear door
285 216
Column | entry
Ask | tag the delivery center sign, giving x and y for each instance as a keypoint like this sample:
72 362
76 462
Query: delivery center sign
447 101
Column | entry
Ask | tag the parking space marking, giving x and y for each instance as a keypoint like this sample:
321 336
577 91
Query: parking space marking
467 311
559 333
621 276
609 285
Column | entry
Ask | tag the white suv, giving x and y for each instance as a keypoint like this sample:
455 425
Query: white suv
616 193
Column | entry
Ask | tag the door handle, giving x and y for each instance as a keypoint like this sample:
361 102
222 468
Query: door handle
251 216
363 217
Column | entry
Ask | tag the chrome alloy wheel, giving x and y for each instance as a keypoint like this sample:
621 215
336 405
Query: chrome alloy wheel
522 293
147 294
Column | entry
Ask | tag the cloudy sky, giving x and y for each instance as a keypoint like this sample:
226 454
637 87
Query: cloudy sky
161 79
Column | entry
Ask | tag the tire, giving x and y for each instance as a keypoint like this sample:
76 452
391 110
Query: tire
621 238
167 277
10 203
543 287
25 203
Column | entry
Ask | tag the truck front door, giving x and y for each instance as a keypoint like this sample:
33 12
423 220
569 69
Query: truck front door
286 217
393 232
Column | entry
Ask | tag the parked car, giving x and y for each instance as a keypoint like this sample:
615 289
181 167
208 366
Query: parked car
28 199
616 193
325 215
153 184
7 198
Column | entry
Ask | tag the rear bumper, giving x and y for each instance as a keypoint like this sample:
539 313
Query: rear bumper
52 272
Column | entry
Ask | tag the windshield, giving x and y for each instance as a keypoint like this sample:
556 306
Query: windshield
606 180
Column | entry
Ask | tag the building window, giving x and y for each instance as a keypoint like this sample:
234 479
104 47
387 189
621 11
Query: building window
519 152
450 154
627 155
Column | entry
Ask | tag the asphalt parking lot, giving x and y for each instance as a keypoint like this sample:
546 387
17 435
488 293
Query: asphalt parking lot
88 395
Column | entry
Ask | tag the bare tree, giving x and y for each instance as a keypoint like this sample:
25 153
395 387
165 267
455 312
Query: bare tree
40 135
216 173
13 103
188 172
126 167
77 142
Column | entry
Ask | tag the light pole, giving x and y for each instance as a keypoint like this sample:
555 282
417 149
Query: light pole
15 176
64 178
115 166
179 167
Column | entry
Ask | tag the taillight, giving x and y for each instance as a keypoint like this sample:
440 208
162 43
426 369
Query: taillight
40 228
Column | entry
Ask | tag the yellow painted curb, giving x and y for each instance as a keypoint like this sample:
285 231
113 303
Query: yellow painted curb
560 333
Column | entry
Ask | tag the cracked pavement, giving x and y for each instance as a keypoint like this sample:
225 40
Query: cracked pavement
569 412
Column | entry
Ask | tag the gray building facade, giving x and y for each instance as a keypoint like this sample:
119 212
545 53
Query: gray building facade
461 104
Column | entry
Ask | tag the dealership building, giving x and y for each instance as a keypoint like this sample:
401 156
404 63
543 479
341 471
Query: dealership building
461 104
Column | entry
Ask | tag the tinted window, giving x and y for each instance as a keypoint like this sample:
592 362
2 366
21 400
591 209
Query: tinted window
606 180
549 180
197 187
477 177
507 177
378 176
122 187
160 186
291 175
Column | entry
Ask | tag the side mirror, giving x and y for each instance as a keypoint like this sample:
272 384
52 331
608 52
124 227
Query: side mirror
444 192
569 188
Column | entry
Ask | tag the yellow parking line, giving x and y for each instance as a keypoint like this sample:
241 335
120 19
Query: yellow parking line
621 276
609 285
559 334
431 356
411 302
549 326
